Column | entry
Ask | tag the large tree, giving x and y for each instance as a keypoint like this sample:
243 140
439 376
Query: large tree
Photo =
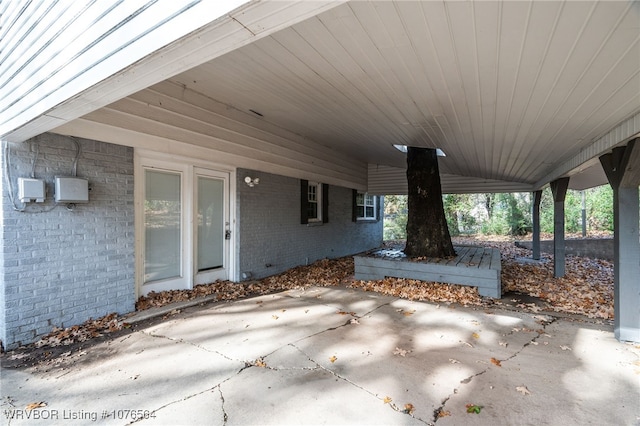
427 231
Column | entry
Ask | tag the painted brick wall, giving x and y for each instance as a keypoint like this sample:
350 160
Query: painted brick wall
272 239
63 266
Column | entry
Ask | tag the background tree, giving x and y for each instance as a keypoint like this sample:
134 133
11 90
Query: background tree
427 231
488 205
395 217
510 213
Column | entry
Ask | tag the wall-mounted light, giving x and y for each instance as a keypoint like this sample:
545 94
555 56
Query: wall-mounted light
251 182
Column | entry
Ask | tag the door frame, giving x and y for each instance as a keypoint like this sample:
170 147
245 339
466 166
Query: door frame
205 277
187 166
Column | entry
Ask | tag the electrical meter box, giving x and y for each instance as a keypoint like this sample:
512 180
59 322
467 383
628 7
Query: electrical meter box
72 190
30 190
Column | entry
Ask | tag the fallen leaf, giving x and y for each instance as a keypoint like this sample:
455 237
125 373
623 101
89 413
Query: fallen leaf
523 390
387 399
408 313
259 363
443 413
333 358
35 405
472 408
17 356
454 361
275 317
505 344
409 408
496 362
475 335
401 352
565 348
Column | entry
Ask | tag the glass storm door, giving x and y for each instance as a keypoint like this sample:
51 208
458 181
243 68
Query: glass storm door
211 226
163 231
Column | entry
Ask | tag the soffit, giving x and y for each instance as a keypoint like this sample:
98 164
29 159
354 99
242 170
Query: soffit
509 90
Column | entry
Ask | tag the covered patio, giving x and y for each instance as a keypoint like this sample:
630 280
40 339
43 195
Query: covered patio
518 95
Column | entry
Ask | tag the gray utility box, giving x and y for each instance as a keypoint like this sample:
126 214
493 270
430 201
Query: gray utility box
31 190
72 190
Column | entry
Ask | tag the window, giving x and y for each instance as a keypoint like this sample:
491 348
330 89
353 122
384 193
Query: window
366 206
314 202
314 196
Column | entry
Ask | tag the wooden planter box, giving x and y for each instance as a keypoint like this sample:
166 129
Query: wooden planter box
473 266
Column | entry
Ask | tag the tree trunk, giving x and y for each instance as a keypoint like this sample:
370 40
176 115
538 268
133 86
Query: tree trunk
427 231
488 204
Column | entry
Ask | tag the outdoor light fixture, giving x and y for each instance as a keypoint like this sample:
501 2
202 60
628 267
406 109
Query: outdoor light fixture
251 182
403 148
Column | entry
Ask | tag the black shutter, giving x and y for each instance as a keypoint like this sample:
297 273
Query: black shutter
304 201
354 205
325 203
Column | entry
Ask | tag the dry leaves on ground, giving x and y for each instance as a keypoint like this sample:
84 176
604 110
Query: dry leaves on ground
401 352
80 333
586 289
35 405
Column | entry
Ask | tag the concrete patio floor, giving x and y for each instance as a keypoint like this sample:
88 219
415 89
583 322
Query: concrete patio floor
336 356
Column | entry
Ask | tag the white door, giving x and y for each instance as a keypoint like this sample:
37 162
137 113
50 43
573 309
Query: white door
186 238
211 225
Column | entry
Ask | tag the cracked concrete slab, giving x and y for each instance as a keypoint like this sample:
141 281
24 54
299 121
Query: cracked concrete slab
340 356
303 396
248 329
139 371
573 373
206 407
419 350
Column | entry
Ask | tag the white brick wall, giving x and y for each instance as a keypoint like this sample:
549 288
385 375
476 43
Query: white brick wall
61 266
271 233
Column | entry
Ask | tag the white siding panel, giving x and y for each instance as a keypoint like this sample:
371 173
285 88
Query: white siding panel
167 115
385 180
85 44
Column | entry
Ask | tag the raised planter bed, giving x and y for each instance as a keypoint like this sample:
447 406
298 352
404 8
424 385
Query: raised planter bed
473 266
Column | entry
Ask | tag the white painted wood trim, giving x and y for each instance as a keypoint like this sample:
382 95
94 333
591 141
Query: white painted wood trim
626 130
156 59
284 167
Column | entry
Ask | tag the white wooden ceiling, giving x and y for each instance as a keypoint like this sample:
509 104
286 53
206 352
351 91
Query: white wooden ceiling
508 90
